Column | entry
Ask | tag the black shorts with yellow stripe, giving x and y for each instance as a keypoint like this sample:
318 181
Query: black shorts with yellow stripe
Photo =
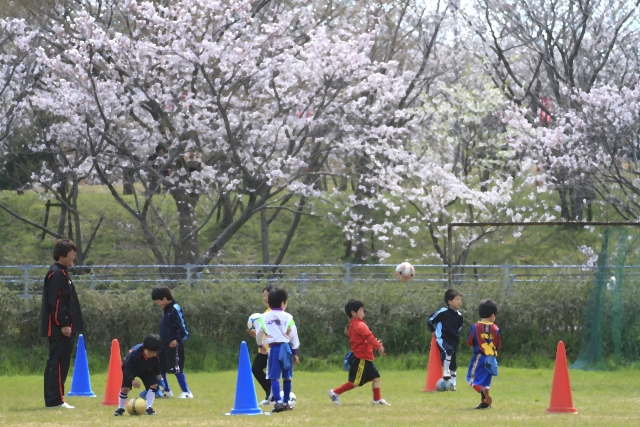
362 371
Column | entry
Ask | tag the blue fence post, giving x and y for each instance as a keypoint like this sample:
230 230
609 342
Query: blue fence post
188 267
507 278
303 282
347 276
26 281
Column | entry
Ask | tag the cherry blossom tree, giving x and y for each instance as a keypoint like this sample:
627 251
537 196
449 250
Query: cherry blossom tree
599 140
543 52
247 104
462 171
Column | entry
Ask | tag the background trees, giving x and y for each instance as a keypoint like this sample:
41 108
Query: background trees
393 118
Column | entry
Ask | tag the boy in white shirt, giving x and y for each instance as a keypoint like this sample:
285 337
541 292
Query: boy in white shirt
277 329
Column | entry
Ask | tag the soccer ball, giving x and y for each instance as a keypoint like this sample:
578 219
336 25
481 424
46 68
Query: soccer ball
405 272
292 399
136 406
441 385
445 385
450 385
252 319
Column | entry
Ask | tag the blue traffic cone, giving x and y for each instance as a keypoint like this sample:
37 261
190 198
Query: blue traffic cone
80 383
246 397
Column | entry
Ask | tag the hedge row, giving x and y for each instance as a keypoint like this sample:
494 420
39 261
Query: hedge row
532 320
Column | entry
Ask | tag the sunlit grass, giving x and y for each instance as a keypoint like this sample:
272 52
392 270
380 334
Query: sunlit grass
521 397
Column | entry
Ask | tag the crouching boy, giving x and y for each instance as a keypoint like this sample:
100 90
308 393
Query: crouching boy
141 362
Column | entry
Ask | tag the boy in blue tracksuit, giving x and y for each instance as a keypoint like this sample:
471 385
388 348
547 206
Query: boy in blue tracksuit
173 333
446 324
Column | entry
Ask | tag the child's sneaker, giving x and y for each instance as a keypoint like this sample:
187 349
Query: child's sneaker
186 395
167 393
280 407
335 398
483 405
265 402
119 412
150 411
381 402
64 405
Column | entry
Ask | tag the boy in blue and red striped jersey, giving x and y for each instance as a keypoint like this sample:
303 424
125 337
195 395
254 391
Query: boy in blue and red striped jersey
363 342
485 339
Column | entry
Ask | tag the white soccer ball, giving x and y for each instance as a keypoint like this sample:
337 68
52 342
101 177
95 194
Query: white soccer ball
451 386
441 385
252 319
292 399
405 272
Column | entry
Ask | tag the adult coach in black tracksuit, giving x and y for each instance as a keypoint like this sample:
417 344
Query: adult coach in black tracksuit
61 320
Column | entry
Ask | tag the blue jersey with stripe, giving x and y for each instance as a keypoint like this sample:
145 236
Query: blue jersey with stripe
446 323
172 325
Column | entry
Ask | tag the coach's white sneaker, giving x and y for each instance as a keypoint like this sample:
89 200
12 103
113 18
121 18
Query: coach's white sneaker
64 405
381 402
335 398
167 393
186 395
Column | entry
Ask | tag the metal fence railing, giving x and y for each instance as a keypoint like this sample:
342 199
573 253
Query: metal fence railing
29 278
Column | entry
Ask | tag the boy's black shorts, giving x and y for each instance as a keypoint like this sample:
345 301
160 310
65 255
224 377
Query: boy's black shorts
362 371
448 349
172 359
148 378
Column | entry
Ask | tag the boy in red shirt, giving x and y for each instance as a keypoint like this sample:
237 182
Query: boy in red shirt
363 342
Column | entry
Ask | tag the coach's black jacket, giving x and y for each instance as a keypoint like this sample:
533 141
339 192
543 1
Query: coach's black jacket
60 306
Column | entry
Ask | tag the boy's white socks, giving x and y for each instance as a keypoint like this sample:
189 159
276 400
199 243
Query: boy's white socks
151 395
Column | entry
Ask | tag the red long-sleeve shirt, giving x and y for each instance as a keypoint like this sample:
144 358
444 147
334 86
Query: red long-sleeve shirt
362 340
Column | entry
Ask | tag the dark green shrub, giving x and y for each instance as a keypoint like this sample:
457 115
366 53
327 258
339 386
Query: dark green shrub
532 319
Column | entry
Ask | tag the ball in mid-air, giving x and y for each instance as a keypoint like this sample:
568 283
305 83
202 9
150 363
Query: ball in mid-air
136 406
252 319
405 272
292 399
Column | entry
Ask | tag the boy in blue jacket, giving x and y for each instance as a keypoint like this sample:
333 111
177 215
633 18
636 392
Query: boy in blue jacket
173 333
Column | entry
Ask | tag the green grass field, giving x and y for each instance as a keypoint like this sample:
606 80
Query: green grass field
520 399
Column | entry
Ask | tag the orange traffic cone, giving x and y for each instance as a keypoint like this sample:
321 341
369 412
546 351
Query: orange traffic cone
114 376
434 370
561 400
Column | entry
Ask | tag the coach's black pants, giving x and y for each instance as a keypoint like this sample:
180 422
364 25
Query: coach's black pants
258 369
55 373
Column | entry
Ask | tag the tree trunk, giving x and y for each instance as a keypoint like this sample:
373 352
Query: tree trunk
577 204
63 209
73 201
292 230
186 204
347 249
264 234
226 205
564 207
127 182
343 183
